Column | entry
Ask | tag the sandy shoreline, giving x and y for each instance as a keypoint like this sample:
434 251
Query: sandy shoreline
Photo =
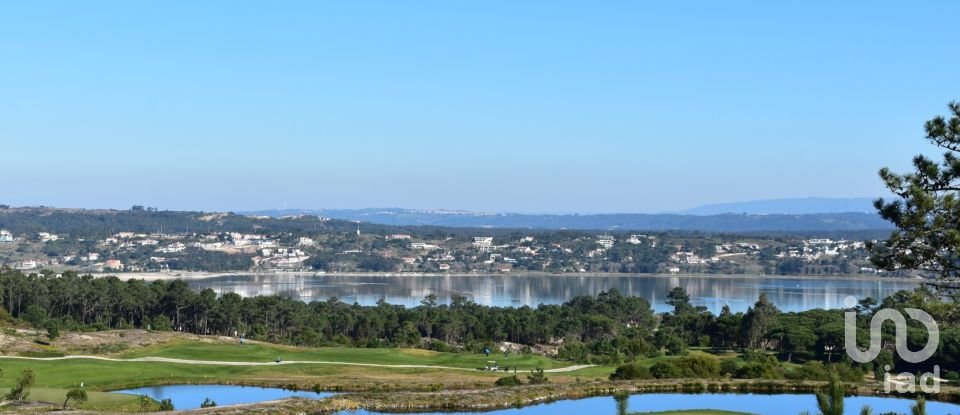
199 275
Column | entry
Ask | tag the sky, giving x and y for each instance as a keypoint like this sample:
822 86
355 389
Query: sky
533 106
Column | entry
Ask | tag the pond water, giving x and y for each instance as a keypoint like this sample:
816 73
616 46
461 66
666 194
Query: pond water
191 396
749 403
713 292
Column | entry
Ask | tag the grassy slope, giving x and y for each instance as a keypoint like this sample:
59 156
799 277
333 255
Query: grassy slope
54 377
261 352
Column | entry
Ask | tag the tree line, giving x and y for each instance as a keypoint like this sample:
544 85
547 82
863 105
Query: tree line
609 328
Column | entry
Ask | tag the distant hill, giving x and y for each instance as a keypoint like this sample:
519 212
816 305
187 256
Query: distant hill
796 206
734 223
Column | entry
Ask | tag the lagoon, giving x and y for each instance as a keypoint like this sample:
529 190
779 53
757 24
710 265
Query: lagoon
711 291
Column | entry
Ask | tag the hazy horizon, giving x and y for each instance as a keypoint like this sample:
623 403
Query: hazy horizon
830 203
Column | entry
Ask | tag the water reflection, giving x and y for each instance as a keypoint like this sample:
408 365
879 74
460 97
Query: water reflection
713 292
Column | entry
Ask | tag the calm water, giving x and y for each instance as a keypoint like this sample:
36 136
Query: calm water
754 404
790 294
191 396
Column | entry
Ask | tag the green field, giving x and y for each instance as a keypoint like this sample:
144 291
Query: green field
260 352
55 377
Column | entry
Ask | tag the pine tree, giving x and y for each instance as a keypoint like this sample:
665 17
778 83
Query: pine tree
830 401
926 211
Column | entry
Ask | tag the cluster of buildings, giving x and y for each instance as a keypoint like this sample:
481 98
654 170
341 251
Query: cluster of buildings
6 237
131 251
815 249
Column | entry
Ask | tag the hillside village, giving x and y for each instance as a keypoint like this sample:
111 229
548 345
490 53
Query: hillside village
369 248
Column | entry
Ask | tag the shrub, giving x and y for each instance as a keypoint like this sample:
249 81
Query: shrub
537 377
166 405
665 370
53 329
699 367
631 371
509 381
848 373
439 346
812 370
757 370
574 351
759 366
728 367
35 315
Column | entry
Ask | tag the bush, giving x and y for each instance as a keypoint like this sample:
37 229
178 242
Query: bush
701 367
728 367
166 405
53 329
812 370
574 351
537 377
848 373
509 381
35 315
665 370
439 346
756 370
160 323
631 371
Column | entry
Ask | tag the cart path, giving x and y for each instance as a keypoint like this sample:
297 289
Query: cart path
284 362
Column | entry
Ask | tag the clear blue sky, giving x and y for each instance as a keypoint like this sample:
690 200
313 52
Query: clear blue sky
509 106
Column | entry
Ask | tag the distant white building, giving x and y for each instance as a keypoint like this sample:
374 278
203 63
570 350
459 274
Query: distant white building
483 243
606 241
47 237
5 237
397 236
422 245
174 247
27 264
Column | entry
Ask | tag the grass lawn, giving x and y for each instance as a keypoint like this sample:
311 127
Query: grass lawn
261 352
55 377
98 401
106 376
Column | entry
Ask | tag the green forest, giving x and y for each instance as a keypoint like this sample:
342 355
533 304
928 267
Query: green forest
608 329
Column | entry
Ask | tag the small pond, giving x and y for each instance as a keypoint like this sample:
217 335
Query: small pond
748 403
191 396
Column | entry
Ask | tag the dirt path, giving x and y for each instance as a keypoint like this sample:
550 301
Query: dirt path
285 362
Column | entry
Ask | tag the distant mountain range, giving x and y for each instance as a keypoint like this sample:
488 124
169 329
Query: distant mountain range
727 222
795 206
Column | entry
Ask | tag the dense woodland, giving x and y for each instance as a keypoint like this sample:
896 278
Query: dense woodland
607 329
